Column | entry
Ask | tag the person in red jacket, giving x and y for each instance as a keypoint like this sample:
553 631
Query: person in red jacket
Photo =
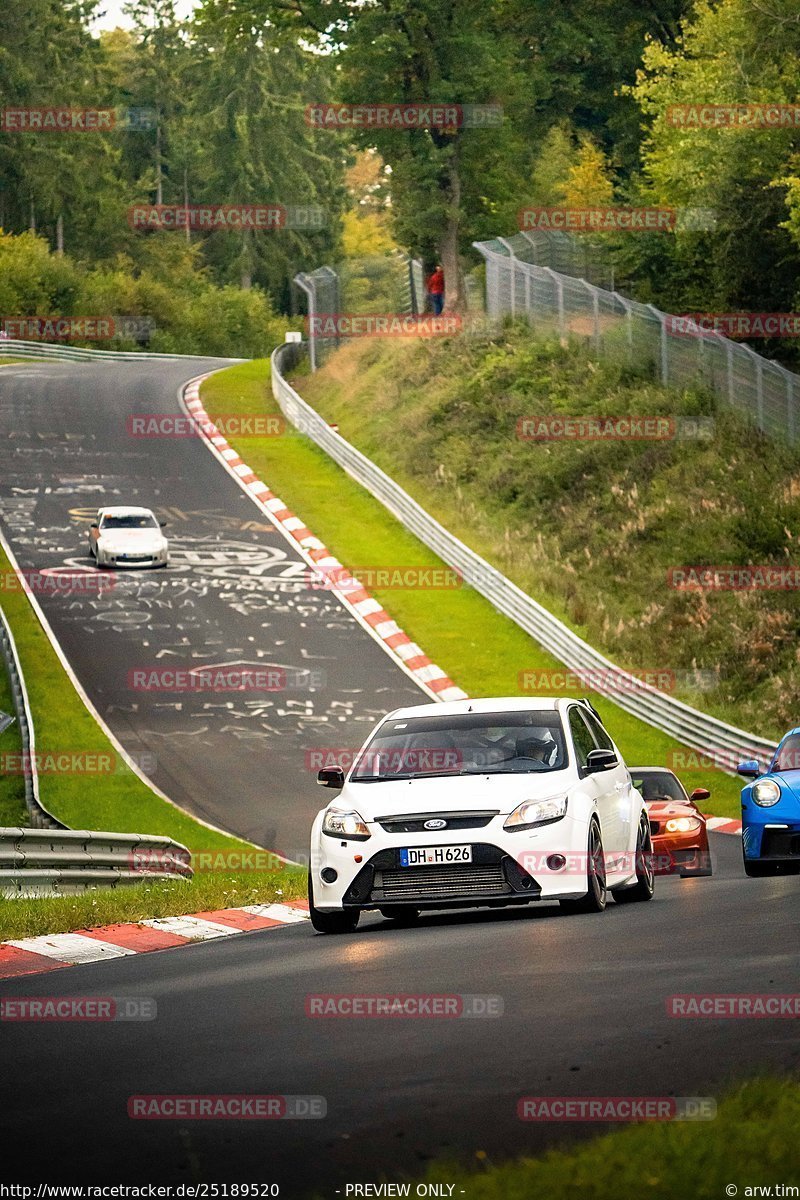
435 286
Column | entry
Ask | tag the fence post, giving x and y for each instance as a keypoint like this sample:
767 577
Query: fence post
729 349
791 424
307 285
595 312
664 348
512 255
556 278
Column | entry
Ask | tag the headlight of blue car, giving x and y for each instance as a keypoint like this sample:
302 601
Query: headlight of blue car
766 792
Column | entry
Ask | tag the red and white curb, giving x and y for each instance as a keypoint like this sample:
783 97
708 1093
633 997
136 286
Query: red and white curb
349 590
31 956
724 825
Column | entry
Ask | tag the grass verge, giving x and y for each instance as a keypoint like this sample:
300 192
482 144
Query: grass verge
115 800
751 1143
480 649
12 787
142 901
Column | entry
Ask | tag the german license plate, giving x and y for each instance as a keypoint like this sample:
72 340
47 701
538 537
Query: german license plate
435 856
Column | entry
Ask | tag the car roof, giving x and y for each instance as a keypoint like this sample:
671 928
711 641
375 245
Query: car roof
124 510
490 704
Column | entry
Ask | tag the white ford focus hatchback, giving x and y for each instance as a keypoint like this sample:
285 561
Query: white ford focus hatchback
479 803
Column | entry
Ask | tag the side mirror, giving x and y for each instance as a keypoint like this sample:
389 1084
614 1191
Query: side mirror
700 794
601 760
162 524
749 769
332 777
94 525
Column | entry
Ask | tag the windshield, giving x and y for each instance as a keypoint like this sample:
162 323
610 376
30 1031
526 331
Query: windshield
788 756
131 521
658 785
470 744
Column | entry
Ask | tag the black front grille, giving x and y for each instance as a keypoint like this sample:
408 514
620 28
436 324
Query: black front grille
492 875
780 843
415 822
433 883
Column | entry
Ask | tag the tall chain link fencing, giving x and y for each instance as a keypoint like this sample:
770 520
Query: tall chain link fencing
386 283
526 277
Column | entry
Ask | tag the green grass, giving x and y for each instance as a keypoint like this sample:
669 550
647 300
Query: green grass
752 1142
591 528
141 901
12 787
117 801
479 648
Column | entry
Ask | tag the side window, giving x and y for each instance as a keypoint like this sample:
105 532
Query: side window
600 735
584 742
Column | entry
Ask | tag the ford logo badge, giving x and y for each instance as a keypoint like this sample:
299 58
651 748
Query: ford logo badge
435 825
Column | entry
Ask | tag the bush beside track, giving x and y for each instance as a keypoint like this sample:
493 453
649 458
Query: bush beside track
751 1143
481 650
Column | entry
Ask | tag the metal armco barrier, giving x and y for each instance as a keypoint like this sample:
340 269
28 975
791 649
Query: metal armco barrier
42 862
15 349
724 743
39 816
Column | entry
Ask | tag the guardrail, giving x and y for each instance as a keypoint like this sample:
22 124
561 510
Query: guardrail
39 816
9 347
700 731
39 862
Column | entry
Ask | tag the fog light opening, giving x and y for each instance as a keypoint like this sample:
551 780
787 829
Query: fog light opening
556 862
328 875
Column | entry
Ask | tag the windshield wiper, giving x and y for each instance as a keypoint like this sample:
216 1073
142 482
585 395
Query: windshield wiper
408 775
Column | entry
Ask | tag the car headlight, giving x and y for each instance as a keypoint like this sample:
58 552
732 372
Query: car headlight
531 813
682 824
347 824
766 792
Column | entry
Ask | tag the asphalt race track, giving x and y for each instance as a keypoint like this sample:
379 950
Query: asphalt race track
584 998
235 592
584 1015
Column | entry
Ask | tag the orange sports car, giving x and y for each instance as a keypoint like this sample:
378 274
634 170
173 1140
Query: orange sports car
677 826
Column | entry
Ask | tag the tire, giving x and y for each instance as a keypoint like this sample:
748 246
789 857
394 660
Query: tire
330 922
644 887
402 915
595 899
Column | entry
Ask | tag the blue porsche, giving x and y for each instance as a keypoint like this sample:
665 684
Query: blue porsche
771 811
